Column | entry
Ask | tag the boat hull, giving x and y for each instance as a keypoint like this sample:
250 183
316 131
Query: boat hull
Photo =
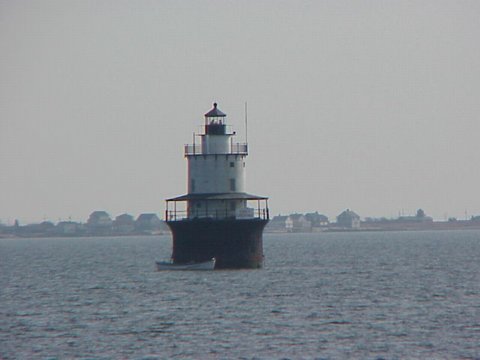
234 243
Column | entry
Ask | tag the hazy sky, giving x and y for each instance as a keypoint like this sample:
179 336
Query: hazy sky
367 105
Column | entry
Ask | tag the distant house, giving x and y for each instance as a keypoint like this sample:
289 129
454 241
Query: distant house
348 220
67 228
148 223
277 224
99 222
317 220
420 217
124 224
298 223
99 218
46 227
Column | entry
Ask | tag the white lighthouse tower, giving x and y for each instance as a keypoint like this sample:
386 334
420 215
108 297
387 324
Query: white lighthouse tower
218 218
216 166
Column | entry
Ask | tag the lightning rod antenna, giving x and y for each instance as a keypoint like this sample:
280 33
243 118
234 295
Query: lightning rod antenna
246 124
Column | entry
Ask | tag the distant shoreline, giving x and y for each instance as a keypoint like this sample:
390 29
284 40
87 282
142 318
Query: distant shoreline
43 236
389 226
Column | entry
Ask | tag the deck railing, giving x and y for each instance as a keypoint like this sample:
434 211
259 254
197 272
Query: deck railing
183 210
235 149
215 214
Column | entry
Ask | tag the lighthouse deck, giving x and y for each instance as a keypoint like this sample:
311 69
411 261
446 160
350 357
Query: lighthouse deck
255 207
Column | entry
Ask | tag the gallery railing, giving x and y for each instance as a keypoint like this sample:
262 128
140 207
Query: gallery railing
217 214
234 149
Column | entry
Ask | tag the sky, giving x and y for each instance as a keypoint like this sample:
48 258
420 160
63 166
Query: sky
367 105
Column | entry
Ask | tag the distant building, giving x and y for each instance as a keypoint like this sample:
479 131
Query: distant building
317 220
420 217
99 218
124 224
67 228
99 222
277 224
298 223
148 223
348 220
46 227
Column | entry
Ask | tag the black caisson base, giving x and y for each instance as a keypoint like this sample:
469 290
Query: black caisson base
234 243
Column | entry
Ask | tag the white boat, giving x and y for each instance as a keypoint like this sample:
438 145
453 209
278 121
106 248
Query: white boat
168 265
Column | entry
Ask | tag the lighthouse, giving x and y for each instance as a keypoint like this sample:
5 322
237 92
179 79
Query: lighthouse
217 218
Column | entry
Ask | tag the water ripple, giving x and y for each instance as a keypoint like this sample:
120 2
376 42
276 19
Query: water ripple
321 296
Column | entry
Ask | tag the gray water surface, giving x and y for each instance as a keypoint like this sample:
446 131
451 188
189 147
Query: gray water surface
390 295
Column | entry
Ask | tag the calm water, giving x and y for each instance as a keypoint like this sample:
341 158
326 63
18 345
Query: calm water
331 296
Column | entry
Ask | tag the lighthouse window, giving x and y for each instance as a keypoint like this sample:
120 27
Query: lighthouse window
232 185
232 164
